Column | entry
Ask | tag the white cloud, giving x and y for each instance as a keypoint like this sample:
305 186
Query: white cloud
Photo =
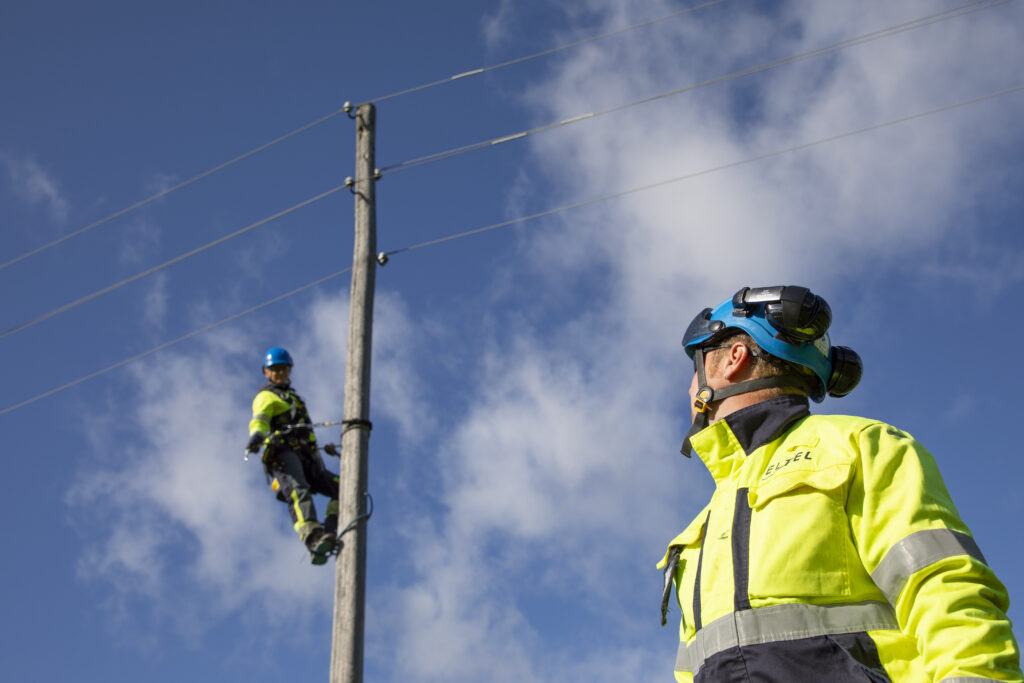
396 392
495 26
557 486
175 484
139 240
33 185
1002 269
160 182
559 461
154 303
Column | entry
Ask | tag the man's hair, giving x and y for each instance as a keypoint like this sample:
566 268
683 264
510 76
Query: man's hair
764 364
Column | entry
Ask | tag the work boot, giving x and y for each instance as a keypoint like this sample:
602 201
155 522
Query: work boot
319 545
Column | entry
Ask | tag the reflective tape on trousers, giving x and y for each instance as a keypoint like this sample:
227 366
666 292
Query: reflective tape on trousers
780 623
917 551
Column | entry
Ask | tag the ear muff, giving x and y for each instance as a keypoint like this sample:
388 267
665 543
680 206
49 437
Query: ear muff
847 369
799 314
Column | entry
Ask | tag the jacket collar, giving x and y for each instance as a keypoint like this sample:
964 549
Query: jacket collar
763 422
725 443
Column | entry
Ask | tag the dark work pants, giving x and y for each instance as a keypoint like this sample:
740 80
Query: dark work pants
298 478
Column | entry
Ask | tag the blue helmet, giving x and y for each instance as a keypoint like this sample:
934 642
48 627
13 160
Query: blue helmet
790 323
277 356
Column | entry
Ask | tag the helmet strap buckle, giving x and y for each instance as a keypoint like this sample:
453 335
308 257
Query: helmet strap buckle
702 401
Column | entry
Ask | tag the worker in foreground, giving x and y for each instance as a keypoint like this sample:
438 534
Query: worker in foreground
291 458
831 550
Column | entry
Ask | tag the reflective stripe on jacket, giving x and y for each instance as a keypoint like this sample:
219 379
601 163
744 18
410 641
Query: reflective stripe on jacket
831 551
276 407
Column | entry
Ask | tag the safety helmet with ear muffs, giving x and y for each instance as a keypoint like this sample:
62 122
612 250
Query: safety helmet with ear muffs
787 322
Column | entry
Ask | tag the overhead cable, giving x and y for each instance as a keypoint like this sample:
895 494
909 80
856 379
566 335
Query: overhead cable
521 219
165 345
850 42
164 193
734 164
543 53
166 264
345 109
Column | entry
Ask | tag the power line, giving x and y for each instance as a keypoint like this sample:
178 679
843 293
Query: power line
734 164
543 53
166 264
521 219
345 109
164 193
895 29
165 345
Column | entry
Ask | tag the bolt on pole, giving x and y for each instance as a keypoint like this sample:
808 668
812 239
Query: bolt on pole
350 569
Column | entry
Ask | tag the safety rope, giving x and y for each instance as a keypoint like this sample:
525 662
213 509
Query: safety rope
346 424
331 448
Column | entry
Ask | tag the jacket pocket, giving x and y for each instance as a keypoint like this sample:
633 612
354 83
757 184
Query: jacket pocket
800 541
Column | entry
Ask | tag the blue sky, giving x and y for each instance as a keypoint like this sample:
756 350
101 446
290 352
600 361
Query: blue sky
528 392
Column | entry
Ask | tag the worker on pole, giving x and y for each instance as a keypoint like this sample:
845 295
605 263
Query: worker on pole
291 459
830 549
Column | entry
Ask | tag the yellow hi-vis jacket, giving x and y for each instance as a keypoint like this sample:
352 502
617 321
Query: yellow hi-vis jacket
831 551
274 408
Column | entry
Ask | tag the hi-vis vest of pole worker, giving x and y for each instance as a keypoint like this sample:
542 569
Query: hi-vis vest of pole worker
830 550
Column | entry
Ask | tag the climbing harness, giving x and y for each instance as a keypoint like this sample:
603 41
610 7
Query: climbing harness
288 429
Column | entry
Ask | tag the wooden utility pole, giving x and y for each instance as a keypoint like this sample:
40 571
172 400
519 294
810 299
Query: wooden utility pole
350 570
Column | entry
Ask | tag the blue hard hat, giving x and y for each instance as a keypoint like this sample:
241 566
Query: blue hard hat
277 356
788 322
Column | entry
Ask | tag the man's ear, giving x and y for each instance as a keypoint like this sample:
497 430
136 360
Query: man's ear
735 361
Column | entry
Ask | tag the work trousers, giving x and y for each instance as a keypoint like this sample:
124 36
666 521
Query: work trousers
298 478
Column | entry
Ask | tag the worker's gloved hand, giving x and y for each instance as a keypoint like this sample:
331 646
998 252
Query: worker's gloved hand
331 449
255 441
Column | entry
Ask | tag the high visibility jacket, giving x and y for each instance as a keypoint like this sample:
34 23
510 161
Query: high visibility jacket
275 407
831 551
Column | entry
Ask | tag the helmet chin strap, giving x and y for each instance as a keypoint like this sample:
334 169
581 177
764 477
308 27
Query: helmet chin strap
706 395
